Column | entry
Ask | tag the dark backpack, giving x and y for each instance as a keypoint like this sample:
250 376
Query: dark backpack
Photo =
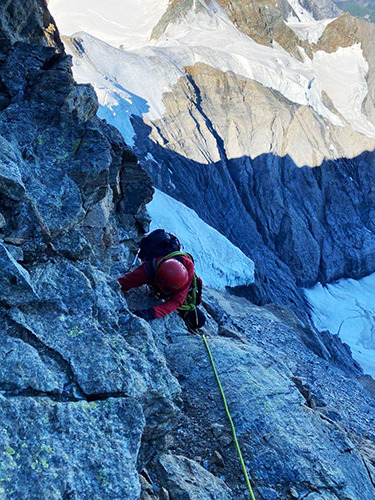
158 244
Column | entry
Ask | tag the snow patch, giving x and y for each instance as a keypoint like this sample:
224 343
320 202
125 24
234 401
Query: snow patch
300 14
347 308
310 31
217 260
345 83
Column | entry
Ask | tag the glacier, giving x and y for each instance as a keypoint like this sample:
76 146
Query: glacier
347 308
209 37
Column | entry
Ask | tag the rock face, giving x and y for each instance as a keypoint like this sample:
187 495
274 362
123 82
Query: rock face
28 21
211 113
305 423
321 9
80 400
300 226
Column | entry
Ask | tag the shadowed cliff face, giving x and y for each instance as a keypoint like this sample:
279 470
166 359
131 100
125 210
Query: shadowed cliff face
299 225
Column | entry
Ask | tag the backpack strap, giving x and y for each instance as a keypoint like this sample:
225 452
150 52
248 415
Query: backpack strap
171 256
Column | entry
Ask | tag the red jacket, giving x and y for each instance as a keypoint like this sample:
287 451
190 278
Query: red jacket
140 277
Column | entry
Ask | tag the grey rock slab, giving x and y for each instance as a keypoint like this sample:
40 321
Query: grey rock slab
185 479
69 450
24 369
285 442
11 184
16 287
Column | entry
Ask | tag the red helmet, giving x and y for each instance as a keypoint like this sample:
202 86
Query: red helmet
172 275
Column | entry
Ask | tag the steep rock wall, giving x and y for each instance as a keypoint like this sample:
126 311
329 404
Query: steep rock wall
89 392
83 406
28 21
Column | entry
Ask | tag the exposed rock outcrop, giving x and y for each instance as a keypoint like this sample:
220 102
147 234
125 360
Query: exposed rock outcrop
321 9
305 423
82 407
28 21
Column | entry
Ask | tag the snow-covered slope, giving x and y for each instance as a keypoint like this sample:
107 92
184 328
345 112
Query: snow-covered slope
217 260
310 30
347 309
205 34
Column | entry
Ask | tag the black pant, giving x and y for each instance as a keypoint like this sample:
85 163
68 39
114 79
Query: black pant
194 319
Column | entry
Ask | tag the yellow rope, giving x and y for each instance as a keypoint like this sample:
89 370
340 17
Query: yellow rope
247 480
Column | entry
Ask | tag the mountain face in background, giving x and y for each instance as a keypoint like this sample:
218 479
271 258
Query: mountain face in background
254 114
97 403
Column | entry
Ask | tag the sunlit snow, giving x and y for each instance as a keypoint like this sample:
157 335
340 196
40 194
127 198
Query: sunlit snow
347 308
310 31
207 36
300 14
217 260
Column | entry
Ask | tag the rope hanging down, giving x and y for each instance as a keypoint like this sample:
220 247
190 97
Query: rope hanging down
247 480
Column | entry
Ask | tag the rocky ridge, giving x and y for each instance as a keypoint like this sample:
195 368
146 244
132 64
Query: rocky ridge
78 400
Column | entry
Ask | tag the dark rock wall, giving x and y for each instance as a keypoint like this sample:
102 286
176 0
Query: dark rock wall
82 407
28 21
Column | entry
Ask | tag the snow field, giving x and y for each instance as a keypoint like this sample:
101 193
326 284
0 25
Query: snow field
217 260
347 308
116 22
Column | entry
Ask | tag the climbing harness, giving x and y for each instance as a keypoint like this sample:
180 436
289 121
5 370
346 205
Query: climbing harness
247 480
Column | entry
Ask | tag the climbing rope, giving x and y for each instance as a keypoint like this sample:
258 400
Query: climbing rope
247 480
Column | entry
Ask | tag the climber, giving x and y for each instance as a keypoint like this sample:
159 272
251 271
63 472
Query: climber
170 275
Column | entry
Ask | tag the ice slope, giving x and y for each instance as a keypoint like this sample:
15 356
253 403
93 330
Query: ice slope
207 35
217 261
300 14
347 308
